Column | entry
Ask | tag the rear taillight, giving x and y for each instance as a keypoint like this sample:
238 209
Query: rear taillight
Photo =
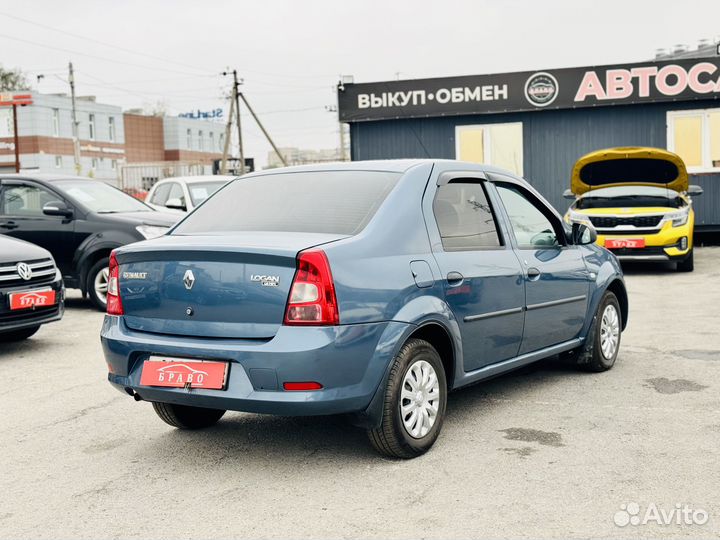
312 298
114 303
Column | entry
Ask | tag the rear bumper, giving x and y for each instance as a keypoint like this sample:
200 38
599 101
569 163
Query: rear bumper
349 361
11 321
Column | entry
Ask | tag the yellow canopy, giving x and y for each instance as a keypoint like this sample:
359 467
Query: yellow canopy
629 166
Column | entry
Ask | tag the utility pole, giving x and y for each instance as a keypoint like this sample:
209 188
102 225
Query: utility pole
235 102
75 136
228 127
16 138
262 128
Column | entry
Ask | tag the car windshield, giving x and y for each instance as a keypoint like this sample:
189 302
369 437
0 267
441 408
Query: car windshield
101 198
339 202
199 191
630 197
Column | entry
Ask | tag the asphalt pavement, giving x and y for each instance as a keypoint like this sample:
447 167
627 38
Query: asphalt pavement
545 452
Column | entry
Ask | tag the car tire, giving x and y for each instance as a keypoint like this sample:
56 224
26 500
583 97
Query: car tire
96 283
187 417
687 265
604 337
18 335
400 434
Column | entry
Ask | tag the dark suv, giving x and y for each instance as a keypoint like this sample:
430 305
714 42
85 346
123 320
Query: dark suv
80 221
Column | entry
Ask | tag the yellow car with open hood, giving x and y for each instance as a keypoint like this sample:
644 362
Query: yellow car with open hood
639 201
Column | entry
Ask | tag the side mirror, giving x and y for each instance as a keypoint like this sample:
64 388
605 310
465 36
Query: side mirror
567 194
583 234
694 191
57 208
175 204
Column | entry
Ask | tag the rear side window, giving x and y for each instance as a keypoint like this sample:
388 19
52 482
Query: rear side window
464 217
335 202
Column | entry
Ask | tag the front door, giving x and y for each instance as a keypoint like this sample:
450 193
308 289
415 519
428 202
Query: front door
21 216
556 278
483 279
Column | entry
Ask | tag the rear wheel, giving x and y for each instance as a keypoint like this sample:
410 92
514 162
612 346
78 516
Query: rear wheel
605 336
688 265
186 417
19 335
97 284
415 401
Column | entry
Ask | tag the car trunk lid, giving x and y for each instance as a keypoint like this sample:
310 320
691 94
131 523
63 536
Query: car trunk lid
221 286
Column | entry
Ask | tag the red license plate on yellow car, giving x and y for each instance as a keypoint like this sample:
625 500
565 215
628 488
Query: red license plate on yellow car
31 299
615 243
184 373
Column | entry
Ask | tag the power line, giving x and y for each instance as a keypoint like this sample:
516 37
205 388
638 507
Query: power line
80 53
79 36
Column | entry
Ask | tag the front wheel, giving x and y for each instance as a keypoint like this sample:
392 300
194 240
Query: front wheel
97 284
687 265
187 417
415 402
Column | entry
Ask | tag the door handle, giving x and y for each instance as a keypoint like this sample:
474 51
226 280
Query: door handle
9 225
455 278
533 273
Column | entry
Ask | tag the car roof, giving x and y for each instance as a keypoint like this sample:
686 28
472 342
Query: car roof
48 177
198 179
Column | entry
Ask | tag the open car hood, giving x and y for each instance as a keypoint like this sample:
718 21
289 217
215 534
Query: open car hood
629 166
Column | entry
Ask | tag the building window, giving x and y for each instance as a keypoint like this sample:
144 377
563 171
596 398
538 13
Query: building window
493 144
94 163
56 122
58 162
212 142
113 164
200 140
695 137
91 126
221 142
111 128
189 139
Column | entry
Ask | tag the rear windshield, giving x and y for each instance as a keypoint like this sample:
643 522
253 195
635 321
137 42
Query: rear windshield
335 202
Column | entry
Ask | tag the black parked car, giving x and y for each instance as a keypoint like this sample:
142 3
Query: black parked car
80 221
31 289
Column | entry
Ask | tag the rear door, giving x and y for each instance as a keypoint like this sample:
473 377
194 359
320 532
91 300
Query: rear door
483 280
556 278
21 216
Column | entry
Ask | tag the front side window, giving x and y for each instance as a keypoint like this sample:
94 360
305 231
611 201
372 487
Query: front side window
25 200
176 192
333 202
464 217
531 227
161 194
695 137
493 144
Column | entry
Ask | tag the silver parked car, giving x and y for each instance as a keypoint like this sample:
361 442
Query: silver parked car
184 193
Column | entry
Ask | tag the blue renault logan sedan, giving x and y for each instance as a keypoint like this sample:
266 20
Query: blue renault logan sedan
369 288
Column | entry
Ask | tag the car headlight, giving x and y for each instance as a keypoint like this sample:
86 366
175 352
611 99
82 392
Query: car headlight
678 218
576 217
151 231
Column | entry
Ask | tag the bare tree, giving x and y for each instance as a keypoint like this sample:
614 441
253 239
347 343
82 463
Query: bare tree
13 79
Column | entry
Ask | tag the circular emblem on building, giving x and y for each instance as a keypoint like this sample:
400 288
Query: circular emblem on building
541 89
24 271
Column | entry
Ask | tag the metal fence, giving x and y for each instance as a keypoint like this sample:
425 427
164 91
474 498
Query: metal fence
137 178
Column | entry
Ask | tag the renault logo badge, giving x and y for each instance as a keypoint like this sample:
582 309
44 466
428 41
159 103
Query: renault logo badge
189 279
24 271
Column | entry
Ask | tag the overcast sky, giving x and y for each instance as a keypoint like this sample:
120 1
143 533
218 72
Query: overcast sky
290 53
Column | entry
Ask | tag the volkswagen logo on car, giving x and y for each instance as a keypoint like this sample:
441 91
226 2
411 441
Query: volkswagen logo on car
24 271
541 89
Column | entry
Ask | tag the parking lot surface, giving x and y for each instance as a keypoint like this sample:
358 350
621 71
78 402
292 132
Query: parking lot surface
546 452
